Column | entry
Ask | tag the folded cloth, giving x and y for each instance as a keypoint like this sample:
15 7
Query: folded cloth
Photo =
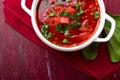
20 21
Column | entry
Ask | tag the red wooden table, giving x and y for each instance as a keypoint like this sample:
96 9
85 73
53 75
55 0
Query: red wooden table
21 59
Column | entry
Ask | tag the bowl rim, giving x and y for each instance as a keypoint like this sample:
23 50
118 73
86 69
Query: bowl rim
68 49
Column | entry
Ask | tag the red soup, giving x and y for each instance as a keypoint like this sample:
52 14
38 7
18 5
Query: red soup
68 23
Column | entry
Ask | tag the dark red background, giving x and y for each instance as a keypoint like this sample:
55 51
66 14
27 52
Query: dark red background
34 62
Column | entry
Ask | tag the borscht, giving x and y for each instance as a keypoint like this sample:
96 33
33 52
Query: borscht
68 23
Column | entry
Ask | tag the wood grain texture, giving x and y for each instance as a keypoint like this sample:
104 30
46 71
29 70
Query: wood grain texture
21 59
112 6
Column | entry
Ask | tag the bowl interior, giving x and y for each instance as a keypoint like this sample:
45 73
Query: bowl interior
85 44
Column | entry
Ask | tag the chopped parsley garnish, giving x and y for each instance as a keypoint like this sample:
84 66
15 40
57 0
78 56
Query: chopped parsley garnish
96 14
65 41
45 27
78 18
68 0
64 14
44 31
62 28
69 35
80 12
76 24
52 14
49 35
77 15
77 5
72 17
65 29
59 27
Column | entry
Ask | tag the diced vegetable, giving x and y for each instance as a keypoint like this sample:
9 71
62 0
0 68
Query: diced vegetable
64 20
77 5
96 14
52 14
72 17
65 14
68 0
59 27
80 12
46 27
69 35
49 35
65 29
45 32
70 9
75 24
65 41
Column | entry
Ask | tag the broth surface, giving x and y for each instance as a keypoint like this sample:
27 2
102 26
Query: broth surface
68 23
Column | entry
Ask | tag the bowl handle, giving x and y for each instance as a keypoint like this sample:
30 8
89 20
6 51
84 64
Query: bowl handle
25 8
113 24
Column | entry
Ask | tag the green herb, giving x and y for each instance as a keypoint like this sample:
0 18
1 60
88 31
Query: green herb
96 14
52 14
76 24
65 41
49 35
66 29
62 28
45 26
90 52
77 15
78 18
64 14
68 0
77 5
59 27
69 35
44 31
80 12
72 17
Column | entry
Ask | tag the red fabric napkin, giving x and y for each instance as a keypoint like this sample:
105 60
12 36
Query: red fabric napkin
20 20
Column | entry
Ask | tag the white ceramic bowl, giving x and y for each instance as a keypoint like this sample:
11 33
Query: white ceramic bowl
94 38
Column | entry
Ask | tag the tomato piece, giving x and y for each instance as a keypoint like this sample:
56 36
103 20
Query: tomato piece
59 8
64 20
57 20
70 10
